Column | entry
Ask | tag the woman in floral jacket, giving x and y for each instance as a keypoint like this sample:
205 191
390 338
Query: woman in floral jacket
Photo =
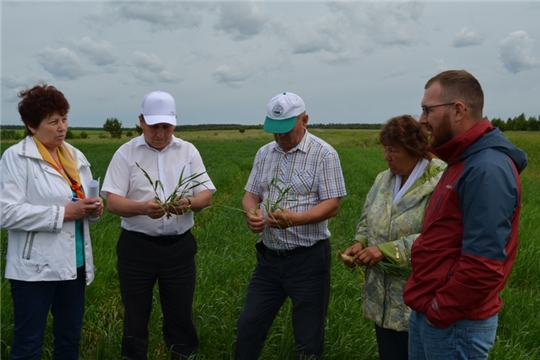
391 220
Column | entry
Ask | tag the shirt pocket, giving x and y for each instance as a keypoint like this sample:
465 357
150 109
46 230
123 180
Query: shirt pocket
302 182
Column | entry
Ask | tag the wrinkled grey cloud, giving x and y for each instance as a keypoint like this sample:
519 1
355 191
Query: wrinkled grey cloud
61 63
466 37
515 52
241 20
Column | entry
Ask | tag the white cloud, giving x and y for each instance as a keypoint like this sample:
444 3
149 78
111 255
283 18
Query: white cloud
13 84
241 20
394 73
100 53
311 39
157 15
441 65
61 63
149 68
515 52
231 76
156 77
466 37
148 62
356 53
395 23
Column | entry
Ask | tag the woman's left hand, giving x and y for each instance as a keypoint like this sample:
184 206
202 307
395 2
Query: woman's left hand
369 256
78 210
96 210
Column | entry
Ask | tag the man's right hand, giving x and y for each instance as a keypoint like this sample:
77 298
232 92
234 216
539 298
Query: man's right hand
255 221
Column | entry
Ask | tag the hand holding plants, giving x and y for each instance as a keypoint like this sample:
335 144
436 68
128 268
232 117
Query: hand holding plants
255 221
180 206
177 202
357 255
369 256
349 254
154 208
281 218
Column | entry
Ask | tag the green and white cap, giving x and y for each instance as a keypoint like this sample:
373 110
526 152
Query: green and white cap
281 113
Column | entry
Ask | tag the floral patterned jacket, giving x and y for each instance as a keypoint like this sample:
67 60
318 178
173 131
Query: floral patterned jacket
393 228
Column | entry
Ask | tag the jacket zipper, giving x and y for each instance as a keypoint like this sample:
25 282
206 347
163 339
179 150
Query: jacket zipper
27 250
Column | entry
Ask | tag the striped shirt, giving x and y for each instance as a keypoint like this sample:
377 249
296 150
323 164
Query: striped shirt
312 172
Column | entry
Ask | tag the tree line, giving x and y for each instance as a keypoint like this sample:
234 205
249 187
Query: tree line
115 129
518 123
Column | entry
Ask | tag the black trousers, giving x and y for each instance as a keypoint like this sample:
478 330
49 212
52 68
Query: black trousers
393 345
143 261
305 278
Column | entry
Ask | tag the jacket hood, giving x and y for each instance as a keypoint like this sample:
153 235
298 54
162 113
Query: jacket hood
496 140
480 137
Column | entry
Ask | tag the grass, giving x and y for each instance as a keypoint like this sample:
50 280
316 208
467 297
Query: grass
226 258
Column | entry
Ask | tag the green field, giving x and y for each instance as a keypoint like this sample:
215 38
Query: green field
226 258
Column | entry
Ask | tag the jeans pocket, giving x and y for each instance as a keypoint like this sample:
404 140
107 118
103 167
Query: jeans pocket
479 340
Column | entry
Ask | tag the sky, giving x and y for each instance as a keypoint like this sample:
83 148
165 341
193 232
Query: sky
351 62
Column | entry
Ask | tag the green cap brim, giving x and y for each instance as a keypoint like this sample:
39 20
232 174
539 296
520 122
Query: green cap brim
281 126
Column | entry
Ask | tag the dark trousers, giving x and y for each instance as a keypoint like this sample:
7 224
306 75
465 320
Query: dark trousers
31 304
142 262
305 278
393 345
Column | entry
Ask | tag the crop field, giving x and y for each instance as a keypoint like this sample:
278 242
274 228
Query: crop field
226 258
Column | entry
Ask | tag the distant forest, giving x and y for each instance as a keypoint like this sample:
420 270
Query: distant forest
214 127
518 123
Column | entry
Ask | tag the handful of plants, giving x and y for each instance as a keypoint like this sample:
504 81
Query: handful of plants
385 267
182 189
269 205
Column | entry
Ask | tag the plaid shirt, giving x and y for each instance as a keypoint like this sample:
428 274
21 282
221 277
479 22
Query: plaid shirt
312 171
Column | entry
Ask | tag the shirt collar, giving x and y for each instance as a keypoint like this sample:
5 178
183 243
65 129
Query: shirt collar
174 142
301 146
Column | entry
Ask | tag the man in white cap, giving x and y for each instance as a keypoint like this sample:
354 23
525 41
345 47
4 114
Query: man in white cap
293 251
154 247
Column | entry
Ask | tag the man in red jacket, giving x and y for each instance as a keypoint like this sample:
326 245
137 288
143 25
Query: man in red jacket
470 234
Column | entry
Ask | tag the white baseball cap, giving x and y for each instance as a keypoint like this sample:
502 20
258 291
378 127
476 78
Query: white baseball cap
281 113
158 107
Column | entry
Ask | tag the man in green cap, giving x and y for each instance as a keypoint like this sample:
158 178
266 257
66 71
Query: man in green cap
295 186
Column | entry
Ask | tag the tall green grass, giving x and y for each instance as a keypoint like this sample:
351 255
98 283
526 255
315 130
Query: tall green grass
226 258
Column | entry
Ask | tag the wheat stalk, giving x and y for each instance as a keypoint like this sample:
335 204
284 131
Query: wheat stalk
180 191
385 267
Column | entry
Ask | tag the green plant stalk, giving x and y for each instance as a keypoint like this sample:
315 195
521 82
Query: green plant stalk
384 266
272 206
179 192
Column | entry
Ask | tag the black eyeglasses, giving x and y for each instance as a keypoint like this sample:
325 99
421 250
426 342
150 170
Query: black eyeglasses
426 109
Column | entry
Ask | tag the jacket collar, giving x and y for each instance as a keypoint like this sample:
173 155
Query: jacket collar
452 150
27 147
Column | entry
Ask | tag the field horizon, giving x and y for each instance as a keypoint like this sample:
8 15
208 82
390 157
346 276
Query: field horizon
226 257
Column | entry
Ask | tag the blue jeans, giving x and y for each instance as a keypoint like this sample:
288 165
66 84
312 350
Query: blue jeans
465 339
31 304
305 278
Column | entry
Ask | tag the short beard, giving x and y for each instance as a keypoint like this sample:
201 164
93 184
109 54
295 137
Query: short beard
444 132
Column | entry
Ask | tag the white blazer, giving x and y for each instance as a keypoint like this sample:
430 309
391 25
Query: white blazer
33 196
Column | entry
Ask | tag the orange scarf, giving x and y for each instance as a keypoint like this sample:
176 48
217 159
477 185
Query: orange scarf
67 167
